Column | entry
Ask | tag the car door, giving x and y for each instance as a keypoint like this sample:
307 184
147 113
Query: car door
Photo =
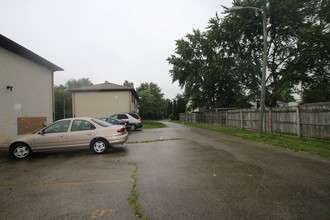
81 133
52 137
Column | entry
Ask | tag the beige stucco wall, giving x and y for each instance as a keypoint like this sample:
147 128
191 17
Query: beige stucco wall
102 104
31 95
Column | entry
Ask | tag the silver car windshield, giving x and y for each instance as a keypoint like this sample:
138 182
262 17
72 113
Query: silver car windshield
101 123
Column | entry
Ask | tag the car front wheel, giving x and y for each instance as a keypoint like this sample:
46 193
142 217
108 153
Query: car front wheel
99 146
20 151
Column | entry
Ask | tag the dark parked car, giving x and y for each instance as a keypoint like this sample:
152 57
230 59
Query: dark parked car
116 121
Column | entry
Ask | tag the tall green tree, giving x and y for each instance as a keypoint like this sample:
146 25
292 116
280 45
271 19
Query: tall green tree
298 44
311 68
152 102
205 71
169 111
63 102
63 98
176 114
178 106
221 67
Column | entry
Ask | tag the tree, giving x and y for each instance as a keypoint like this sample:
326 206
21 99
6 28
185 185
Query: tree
179 106
221 67
311 68
169 111
298 43
204 71
128 84
63 102
77 83
152 102
63 98
319 92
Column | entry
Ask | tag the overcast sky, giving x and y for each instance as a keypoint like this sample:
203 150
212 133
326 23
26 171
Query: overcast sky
107 39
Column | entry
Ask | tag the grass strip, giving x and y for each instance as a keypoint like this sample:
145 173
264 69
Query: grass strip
308 145
133 198
149 124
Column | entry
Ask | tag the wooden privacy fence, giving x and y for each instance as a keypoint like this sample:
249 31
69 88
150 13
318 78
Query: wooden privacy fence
304 120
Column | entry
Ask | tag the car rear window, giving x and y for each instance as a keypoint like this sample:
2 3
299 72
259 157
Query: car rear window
122 116
134 115
101 123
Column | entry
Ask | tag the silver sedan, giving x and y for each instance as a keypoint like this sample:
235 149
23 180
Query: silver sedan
69 134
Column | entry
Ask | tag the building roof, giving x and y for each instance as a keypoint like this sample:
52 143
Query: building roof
14 47
105 87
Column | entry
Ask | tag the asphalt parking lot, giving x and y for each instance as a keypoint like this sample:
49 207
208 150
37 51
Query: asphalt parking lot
72 185
182 173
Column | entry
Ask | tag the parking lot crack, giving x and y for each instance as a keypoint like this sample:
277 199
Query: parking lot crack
133 198
156 140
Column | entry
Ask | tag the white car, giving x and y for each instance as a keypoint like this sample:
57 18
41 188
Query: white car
134 120
69 134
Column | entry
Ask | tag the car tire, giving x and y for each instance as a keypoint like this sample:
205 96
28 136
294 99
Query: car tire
133 128
20 151
99 146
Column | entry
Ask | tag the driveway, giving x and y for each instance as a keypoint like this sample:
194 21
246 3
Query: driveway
182 173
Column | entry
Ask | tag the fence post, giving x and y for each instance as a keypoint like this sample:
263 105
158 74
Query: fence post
226 118
220 118
270 120
298 122
264 121
241 116
203 121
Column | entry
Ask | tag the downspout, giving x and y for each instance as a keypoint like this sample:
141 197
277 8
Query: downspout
130 100
73 105
53 98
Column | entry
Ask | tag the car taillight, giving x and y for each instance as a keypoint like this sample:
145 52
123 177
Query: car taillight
140 119
121 130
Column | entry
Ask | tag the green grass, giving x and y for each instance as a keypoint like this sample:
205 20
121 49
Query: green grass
148 124
312 146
